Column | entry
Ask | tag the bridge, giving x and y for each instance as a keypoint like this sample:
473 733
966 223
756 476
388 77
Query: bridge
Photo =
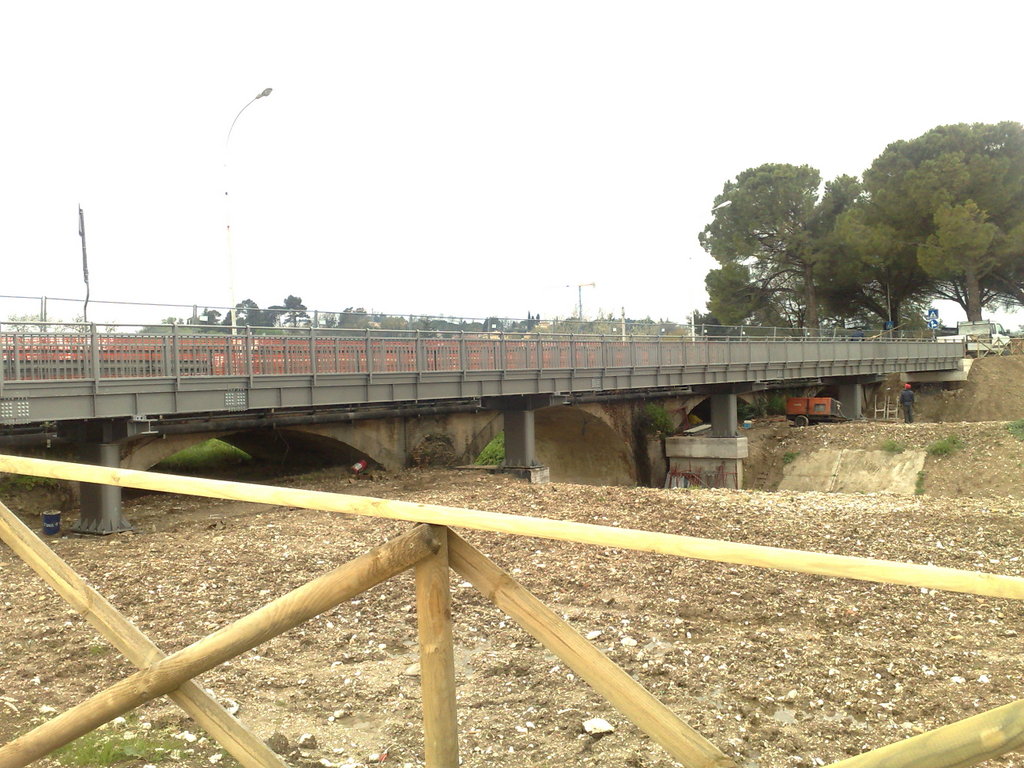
102 389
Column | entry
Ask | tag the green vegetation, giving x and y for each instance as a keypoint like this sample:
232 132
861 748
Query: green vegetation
945 446
494 453
769 404
1016 428
107 747
919 485
789 457
211 454
934 217
891 446
24 482
655 421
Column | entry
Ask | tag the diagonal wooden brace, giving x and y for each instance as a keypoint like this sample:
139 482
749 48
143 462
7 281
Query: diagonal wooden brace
957 745
604 675
239 741
169 673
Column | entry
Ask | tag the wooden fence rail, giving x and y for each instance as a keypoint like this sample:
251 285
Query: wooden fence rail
431 550
866 569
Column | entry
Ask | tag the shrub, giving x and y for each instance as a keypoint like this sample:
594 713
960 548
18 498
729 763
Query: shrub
775 404
656 421
789 457
919 485
435 450
1016 428
945 446
494 452
891 446
771 404
745 410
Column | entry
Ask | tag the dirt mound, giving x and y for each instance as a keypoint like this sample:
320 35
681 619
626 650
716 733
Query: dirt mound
994 391
984 458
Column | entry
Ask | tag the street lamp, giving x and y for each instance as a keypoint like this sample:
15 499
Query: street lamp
227 212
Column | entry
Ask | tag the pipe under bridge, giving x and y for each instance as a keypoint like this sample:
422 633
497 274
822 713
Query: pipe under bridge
104 388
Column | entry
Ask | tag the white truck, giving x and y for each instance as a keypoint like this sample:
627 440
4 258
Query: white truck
982 337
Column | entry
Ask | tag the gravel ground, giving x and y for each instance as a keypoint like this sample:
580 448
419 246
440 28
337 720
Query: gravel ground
775 668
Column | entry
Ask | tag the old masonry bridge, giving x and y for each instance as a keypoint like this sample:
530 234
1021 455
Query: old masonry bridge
127 399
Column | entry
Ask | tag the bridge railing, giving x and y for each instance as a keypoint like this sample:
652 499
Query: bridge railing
33 352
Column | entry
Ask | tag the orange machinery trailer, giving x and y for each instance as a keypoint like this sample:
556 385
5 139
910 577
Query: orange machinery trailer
802 411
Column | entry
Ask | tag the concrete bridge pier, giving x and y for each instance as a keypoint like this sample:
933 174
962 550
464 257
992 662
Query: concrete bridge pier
100 510
715 460
851 392
723 414
99 442
520 437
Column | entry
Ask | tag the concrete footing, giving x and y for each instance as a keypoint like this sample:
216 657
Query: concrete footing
530 474
708 462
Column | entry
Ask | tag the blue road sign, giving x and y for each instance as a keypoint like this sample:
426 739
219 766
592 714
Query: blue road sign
933 313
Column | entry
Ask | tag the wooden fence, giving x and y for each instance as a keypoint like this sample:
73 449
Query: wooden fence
430 549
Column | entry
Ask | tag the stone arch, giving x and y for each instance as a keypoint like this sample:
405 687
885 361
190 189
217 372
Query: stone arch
580 446
150 451
263 444
283 445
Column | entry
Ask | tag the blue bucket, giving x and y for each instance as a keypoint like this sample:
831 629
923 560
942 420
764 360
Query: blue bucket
51 523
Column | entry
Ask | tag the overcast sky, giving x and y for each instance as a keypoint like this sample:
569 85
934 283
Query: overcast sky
447 158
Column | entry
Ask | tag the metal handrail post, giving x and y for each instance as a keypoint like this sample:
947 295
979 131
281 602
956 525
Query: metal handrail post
174 365
94 343
312 352
17 357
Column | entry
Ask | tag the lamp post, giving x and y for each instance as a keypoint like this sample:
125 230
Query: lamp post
227 212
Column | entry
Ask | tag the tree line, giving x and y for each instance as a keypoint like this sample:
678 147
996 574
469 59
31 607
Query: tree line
292 313
936 217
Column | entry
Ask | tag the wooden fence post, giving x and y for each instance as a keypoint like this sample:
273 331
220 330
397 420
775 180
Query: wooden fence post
437 657
166 675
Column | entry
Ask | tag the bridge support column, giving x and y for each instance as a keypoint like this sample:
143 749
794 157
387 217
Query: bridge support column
100 511
723 415
99 442
715 461
520 442
519 439
851 395
851 392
